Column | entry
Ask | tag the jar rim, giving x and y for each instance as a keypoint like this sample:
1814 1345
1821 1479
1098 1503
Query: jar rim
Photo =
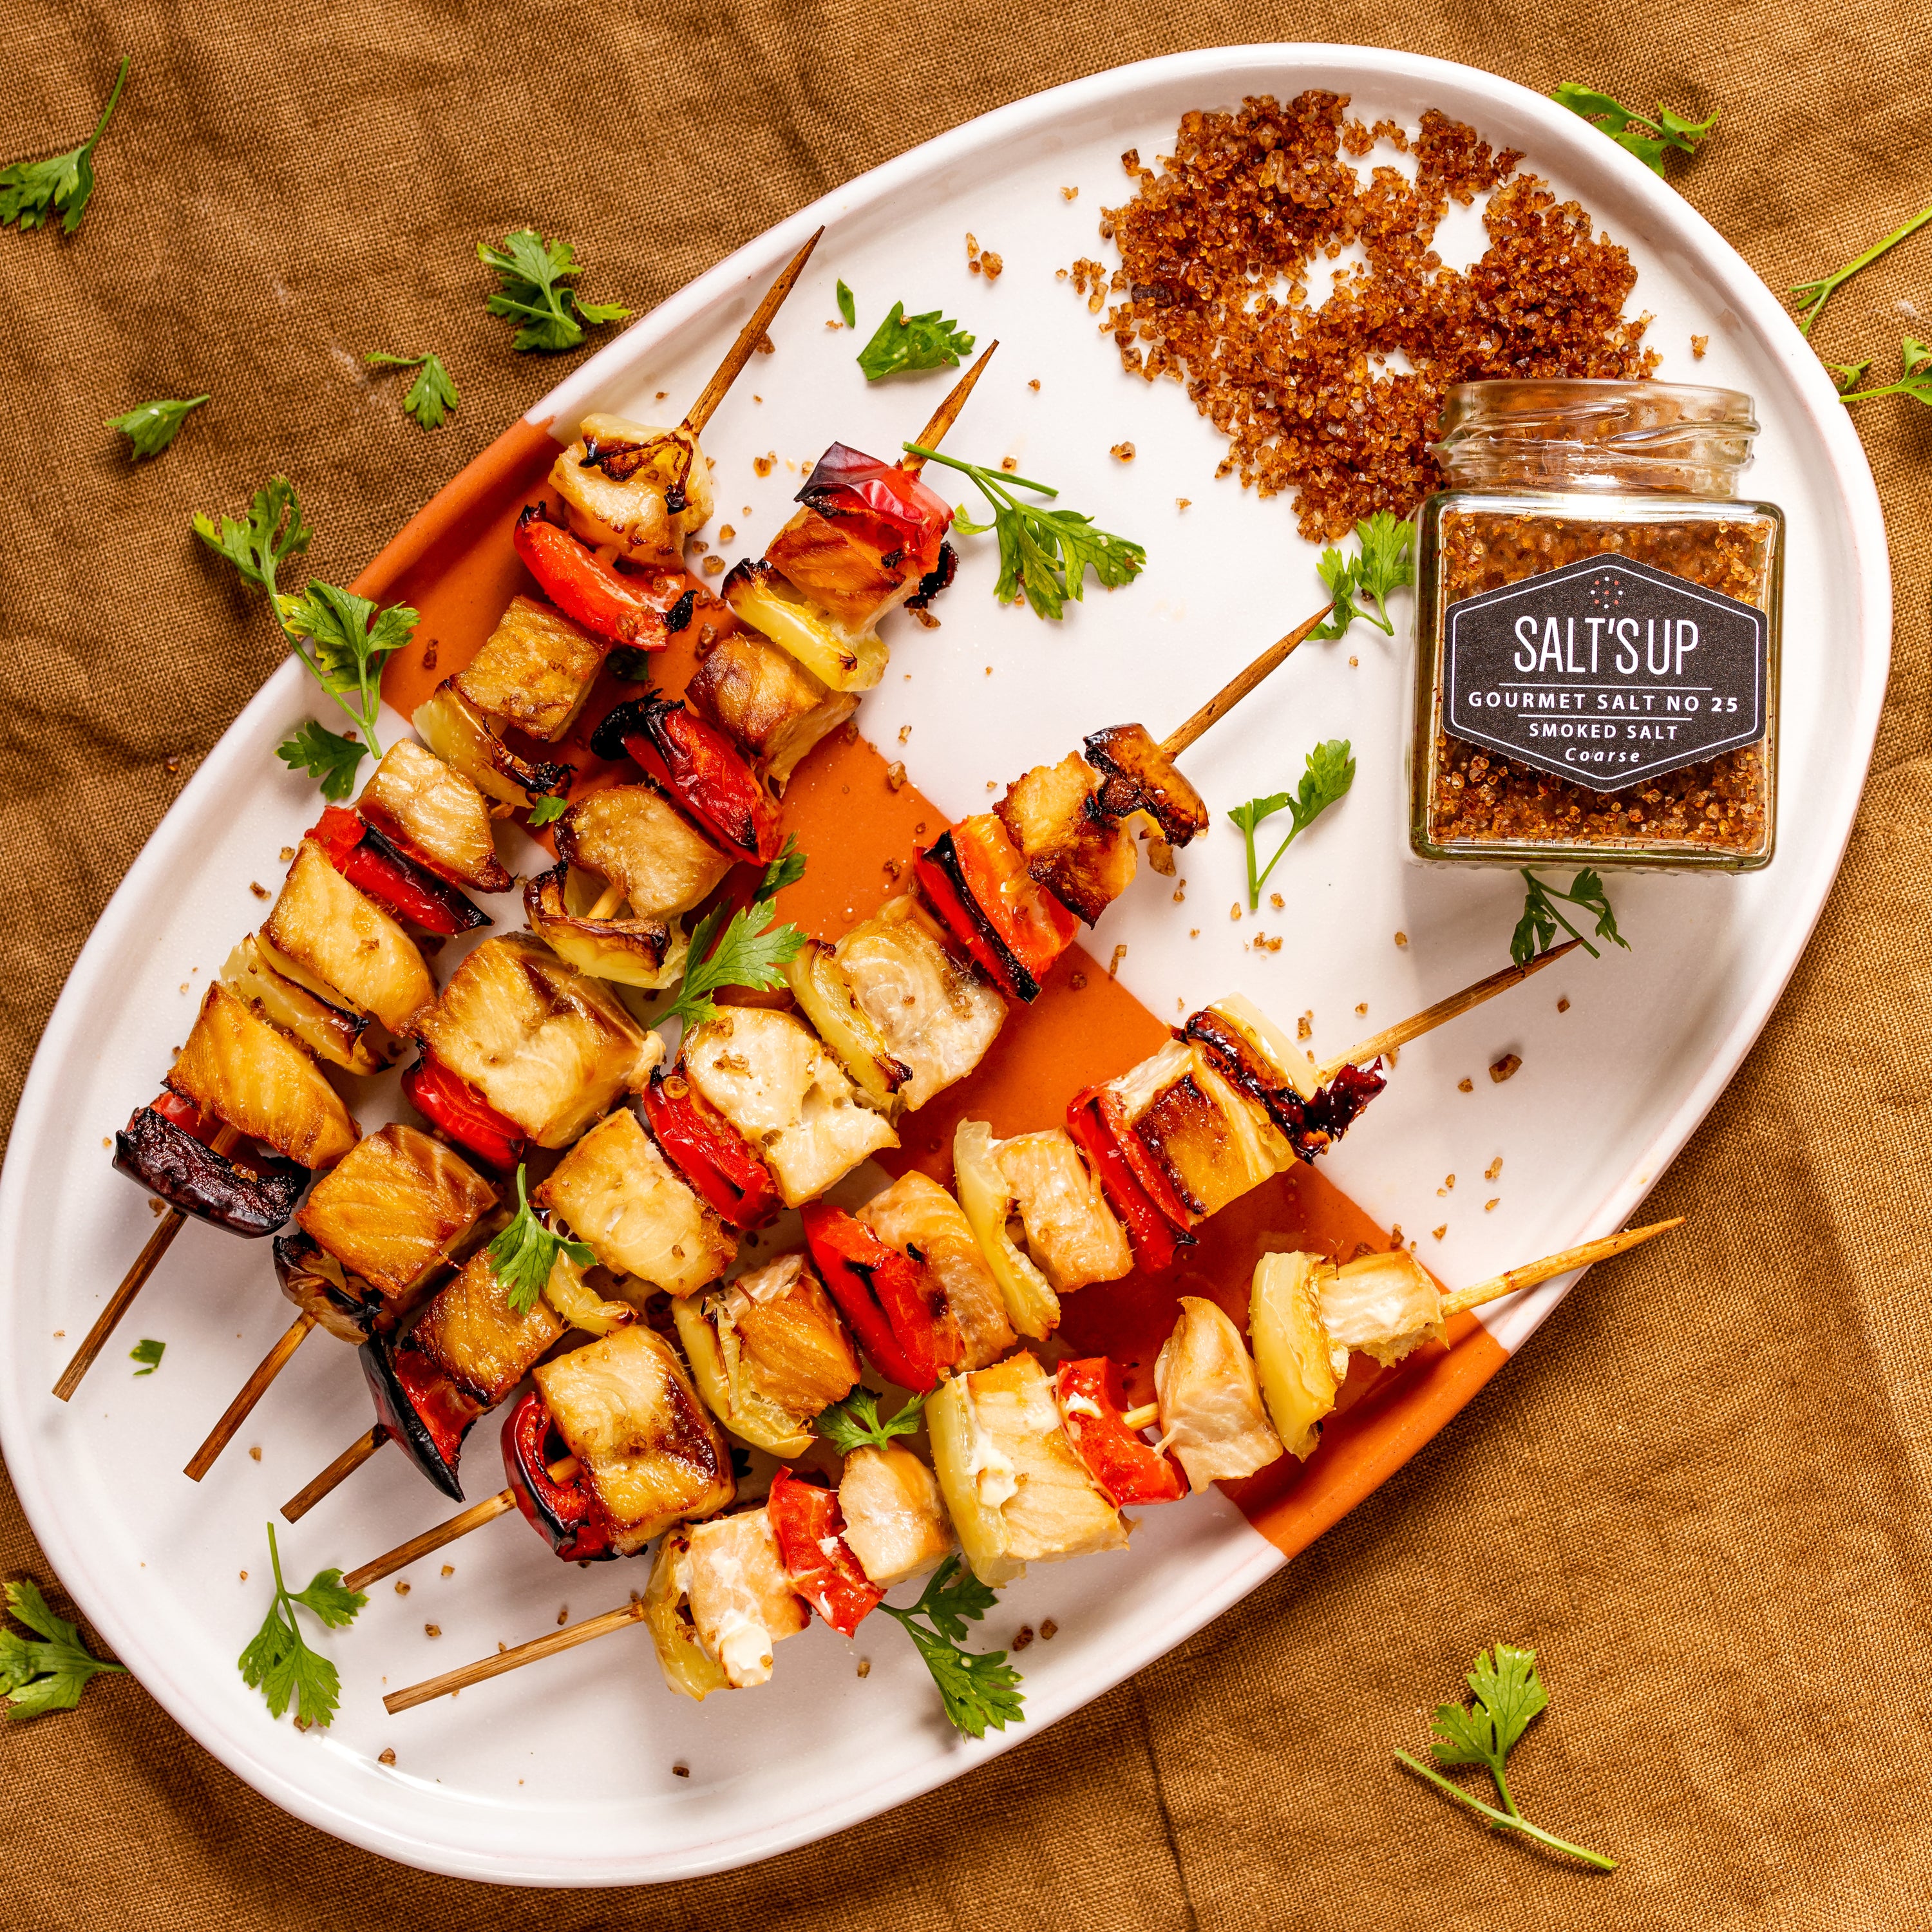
1593 397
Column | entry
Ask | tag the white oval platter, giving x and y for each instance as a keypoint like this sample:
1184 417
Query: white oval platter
562 1774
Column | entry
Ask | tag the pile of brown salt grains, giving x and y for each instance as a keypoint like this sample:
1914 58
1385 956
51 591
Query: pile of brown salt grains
1246 203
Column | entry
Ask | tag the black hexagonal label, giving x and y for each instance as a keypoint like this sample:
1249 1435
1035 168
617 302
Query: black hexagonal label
1605 672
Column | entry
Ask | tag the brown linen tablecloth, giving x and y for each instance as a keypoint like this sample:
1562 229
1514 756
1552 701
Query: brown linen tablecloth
1700 1493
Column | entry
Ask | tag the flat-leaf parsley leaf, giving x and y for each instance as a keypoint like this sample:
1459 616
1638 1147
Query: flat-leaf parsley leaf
855 1423
279 1664
751 950
1536 930
1915 381
152 426
1383 562
533 277
148 1354
522 1256
1044 555
49 1676
978 1688
32 190
329 756
1649 140
1329 771
432 395
904 344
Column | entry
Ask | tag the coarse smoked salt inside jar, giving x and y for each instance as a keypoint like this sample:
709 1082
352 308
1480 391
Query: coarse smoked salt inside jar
1597 626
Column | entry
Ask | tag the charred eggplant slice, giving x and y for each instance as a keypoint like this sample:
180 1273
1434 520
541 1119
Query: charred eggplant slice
251 1198
1137 776
421 1407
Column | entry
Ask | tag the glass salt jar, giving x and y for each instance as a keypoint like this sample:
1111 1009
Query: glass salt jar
1597 629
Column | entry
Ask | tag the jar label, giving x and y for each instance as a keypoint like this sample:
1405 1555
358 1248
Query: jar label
1605 672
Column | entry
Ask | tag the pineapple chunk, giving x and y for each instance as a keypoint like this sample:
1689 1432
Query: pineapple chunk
767 1074
397 1210
767 702
322 923
1071 1232
742 1600
1016 1489
637 839
917 1216
629 1415
936 1018
330 1032
470 1331
768 1353
460 735
547 1046
535 670
987 1201
253 1077
896 1523
1084 858
619 1194
1211 1415
437 814
1301 1369
619 480
1384 1305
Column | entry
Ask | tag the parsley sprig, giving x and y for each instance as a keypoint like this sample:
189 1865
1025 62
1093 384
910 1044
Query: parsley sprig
148 1354
343 639
1330 770
279 1664
751 950
1915 380
1813 295
903 344
1383 562
151 427
50 1674
1649 140
978 1687
432 395
522 1256
533 278
548 808
1044 554
1536 930
855 1423
1509 1694
32 190
848 308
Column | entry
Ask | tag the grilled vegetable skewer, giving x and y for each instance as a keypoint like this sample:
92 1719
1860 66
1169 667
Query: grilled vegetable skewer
1019 1478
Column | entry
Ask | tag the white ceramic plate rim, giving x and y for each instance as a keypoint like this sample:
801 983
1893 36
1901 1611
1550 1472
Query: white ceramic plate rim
65 1542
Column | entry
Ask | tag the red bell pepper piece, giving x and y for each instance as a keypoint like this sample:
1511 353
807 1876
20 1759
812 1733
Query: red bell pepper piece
880 1291
846 483
422 1406
1124 1464
374 865
185 1115
704 771
1033 925
565 1512
1158 1230
811 1531
710 1153
934 872
462 1113
585 588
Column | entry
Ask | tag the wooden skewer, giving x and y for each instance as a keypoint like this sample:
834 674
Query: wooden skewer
947 413
1231 694
132 1283
448 1530
344 1466
608 900
1512 1279
252 1391
714 392
1430 1018
452 1681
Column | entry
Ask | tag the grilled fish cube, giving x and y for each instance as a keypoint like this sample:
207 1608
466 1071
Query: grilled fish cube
535 670
1014 1485
396 1209
1083 857
471 1332
840 572
917 1216
742 1600
1384 1305
347 942
251 1076
639 491
633 836
1136 776
1211 1414
767 1073
437 814
628 1413
767 702
547 1046
1071 1232
619 1194
937 1019
895 1522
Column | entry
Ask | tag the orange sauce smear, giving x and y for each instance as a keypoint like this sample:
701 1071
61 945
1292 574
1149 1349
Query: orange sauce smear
454 563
